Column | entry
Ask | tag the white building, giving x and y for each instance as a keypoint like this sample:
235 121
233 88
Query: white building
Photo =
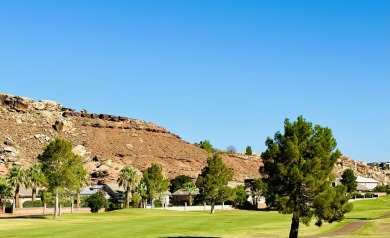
369 183
363 184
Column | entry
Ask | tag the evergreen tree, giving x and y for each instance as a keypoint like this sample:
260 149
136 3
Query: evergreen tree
297 172
213 180
207 146
178 182
348 179
248 150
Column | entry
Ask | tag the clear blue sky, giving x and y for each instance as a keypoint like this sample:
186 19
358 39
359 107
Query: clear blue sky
226 71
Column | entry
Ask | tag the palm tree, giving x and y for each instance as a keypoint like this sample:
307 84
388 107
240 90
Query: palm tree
129 178
34 179
190 188
17 178
143 191
5 192
83 180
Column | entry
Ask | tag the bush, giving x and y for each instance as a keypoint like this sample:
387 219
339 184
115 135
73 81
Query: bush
157 203
382 188
112 206
356 195
96 201
28 204
38 203
65 203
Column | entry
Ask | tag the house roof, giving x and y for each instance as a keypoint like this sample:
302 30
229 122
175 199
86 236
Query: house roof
115 187
366 180
181 192
27 192
87 191
362 188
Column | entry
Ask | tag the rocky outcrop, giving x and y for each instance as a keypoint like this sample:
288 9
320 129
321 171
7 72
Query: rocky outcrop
361 169
105 142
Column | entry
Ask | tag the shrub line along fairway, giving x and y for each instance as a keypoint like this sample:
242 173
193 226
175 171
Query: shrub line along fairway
162 223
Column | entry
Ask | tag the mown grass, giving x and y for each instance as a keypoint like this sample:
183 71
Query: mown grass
160 223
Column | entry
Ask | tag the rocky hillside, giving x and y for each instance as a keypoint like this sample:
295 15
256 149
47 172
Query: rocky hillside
106 142
361 169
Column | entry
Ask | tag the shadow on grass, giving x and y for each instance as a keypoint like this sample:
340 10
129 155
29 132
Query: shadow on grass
359 218
189 237
26 217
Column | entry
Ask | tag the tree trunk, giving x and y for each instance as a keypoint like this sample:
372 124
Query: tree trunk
17 202
33 195
56 206
78 199
294 227
127 196
3 203
190 199
212 206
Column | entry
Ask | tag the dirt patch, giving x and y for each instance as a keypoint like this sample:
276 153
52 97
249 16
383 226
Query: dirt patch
345 230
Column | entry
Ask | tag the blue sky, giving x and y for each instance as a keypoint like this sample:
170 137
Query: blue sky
226 71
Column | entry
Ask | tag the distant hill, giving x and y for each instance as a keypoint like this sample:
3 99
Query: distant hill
106 142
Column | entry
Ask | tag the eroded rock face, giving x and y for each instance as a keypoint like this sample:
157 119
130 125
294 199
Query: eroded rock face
107 143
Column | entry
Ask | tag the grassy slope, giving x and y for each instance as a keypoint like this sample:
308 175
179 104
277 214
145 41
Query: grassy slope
158 223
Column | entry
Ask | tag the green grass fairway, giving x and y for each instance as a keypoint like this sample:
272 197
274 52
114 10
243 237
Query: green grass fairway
160 223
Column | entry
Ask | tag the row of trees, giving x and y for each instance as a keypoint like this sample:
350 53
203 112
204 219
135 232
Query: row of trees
297 173
59 170
146 186
207 146
16 177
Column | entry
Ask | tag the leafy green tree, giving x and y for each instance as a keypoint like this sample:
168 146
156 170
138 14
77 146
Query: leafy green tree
348 179
207 146
96 201
248 150
129 178
17 178
297 169
60 166
213 180
178 182
190 187
5 192
155 182
136 199
257 188
35 178
239 195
